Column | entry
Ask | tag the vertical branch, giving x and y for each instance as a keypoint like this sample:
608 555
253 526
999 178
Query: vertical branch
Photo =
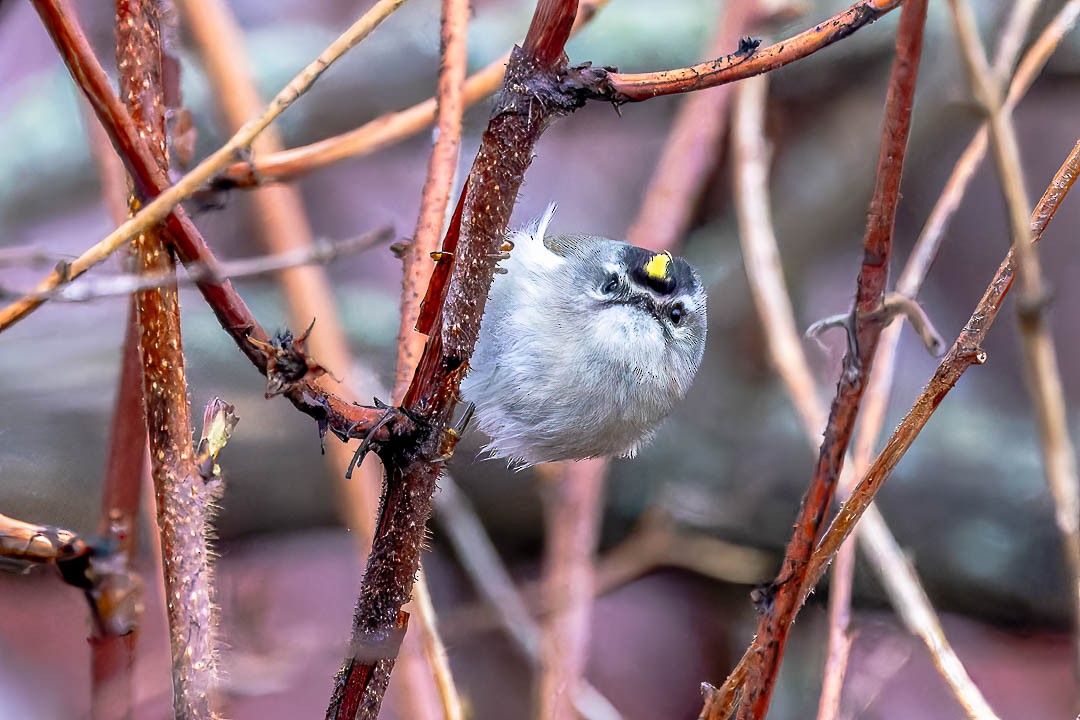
279 215
1040 357
784 596
183 499
112 655
574 494
533 94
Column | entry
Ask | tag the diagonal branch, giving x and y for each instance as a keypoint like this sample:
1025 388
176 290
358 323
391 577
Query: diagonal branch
966 352
333 413
59 20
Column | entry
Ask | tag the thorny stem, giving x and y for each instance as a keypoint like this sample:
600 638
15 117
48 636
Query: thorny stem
532 96
183 496
1040 357
784 597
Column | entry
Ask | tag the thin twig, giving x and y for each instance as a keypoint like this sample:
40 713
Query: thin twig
1040 356
965 352
319 252
162 205
783 598
376 134
1012 37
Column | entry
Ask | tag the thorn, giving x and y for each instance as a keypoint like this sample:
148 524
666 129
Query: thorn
898 304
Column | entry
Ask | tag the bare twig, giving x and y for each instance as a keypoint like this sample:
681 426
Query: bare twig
23 542
162 205
373 135
1012 37
1041 366
965 352
784 596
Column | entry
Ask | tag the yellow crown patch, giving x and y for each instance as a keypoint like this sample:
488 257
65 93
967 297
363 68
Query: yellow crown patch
657 267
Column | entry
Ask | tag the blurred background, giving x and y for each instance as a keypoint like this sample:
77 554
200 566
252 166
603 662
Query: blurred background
968 502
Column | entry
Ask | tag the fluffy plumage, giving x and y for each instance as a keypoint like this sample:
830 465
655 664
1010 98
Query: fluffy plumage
586 344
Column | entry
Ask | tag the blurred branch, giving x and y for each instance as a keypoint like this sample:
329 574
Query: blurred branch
784 597
61 24
748 60
335 414
481 562
965 352
112 653
574 497
317 252
374 135
1040 356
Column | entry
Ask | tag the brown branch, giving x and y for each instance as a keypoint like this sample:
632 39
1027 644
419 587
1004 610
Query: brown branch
60 22
336 414
784 596
374 135
184 497
1040 357
532 96
744 62
966 351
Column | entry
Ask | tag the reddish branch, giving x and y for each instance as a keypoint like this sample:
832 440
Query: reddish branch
333 413
965 352
784 596
112 660
532 96
746 61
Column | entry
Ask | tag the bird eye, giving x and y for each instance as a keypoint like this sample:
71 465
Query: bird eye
676 313
611 285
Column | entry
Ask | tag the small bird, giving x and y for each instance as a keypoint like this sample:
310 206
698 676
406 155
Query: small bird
586 345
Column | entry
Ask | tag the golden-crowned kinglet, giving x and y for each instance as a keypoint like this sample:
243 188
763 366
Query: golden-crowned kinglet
586 344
